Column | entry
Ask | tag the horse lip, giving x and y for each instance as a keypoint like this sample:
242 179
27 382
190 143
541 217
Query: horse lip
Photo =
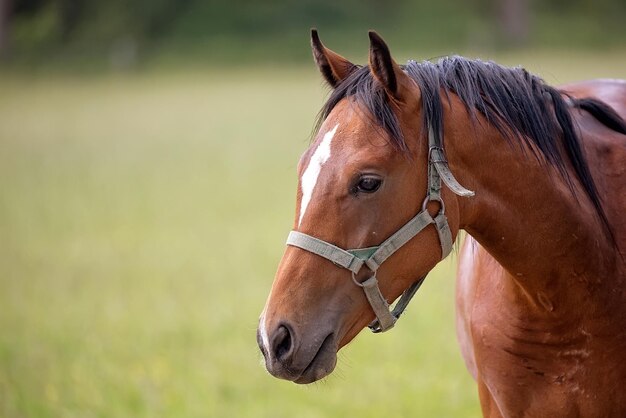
312 372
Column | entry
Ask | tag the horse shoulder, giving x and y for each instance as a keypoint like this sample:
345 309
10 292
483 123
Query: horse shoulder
477 271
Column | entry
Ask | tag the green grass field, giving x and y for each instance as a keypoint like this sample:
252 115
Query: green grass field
141 221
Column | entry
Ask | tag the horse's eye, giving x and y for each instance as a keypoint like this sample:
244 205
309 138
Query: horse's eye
368 184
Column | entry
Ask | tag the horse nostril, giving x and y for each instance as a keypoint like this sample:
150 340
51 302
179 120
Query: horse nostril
281 343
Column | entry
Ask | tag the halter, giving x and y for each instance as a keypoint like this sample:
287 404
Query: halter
373 257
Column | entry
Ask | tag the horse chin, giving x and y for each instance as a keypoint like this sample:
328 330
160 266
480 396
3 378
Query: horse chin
322 364
307 366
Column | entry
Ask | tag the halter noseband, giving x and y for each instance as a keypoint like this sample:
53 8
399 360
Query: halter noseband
373 257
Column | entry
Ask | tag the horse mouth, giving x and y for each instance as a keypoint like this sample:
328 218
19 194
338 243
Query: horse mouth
322 364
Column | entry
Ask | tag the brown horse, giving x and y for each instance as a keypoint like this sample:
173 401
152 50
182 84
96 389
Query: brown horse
541 292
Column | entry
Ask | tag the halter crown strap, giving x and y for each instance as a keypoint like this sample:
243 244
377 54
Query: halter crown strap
373 257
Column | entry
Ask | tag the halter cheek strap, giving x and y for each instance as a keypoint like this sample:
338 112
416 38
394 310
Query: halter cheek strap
373 257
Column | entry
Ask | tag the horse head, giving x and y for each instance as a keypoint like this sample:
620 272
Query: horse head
371 168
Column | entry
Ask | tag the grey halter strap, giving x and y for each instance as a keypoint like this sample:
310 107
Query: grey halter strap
373 257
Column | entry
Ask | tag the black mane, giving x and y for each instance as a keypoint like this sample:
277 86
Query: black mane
521 106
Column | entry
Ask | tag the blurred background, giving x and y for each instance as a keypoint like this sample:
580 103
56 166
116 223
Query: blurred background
148 155
122 34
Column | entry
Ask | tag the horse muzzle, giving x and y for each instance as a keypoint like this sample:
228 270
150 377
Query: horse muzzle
289 356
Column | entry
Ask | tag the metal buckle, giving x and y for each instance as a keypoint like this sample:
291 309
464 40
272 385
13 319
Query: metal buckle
375 326
430 155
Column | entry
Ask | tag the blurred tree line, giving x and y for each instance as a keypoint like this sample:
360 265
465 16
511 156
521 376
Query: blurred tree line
126 31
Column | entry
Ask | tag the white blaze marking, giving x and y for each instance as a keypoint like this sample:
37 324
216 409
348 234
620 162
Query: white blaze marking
312 172
264 337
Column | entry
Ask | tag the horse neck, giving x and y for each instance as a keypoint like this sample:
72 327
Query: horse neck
524 213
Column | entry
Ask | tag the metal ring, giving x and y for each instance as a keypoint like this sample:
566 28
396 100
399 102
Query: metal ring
442 206
355 280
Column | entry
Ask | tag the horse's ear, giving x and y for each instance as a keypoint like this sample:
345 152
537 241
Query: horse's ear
384 68
333 66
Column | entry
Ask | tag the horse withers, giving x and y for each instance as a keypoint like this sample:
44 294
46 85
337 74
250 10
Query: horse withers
407 156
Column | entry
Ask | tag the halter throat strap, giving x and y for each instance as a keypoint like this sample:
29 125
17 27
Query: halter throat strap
372 257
